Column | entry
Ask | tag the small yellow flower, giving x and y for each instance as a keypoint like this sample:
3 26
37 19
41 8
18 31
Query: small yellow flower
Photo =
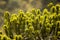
26 29
13 17
57 5
31 28
50 4
41 18
38 11
53 9
33 11
20 37
6 15
45 11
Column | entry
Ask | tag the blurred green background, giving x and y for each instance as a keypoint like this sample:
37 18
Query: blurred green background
14 5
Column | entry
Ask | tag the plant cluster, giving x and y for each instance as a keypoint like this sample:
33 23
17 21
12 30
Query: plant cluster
32 25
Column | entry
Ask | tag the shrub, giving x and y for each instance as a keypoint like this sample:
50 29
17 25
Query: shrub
32 25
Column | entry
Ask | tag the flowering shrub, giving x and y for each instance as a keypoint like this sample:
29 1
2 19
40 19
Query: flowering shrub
32 25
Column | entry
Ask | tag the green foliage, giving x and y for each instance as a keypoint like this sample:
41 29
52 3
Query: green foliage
32 25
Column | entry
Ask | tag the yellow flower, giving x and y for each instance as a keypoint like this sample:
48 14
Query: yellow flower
20 13
47 20
4 37
26 29
33 11
45 12
20 37
16 37
38 11
50 4
57 5
6 15
41 18
37 31
31 28
5 27
13 17
53 9
58 23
